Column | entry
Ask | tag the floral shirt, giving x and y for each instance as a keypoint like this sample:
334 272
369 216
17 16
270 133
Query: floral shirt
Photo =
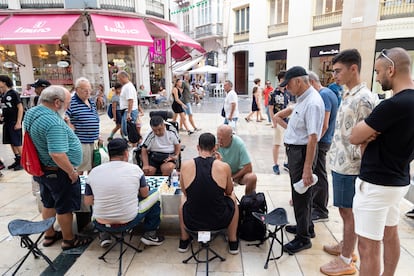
356 105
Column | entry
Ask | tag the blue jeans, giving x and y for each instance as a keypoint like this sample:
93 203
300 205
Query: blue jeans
134 116
268 114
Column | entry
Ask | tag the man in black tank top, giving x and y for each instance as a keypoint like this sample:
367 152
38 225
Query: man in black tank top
208 201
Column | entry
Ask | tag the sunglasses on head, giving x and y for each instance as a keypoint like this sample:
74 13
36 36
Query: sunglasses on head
384 54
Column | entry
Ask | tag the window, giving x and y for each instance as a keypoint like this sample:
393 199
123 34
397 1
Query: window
242 20
327 6
186 22
279 11
204 13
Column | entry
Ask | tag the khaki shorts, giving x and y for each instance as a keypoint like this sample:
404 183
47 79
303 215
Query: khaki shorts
278 132
375 207
87 157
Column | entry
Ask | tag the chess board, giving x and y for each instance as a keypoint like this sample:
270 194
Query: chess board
154 182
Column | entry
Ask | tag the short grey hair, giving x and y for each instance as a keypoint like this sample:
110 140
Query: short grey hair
229 82
123 73
53 92
313 76
81 80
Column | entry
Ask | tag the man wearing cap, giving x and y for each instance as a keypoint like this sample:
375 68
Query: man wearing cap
120 194
39 85
301 138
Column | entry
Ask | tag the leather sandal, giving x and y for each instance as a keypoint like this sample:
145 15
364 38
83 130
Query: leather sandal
77 241
50 240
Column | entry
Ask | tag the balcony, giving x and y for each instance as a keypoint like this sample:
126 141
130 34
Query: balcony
154 8
241 36
396 9
209 30
4 4
327 20
41 4
277 29
125 5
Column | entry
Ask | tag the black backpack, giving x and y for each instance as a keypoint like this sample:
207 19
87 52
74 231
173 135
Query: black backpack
250 228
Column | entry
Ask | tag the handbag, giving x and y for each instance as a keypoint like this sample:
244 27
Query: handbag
100 154
223 113
133 135
30 158
109 111
159 157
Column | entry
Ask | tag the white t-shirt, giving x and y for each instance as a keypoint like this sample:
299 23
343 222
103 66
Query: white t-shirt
231 97
128 92
164 143
115 186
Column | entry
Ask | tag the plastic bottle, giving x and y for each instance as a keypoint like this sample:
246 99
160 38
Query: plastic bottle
174 178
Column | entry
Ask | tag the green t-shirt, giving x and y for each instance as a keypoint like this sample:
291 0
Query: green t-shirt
235 155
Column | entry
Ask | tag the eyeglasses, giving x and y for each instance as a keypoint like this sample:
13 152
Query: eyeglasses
384 54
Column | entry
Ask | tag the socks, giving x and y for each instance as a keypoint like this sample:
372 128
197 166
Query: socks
345 259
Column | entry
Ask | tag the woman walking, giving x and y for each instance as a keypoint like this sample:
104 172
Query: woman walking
178 106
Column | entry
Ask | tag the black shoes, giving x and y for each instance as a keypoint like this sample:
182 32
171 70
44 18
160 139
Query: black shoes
319 218
292 229
297 245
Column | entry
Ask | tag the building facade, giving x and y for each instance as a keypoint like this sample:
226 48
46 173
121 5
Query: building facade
262 37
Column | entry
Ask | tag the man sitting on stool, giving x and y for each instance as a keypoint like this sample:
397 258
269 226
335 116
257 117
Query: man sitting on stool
113 189
208 201
161 148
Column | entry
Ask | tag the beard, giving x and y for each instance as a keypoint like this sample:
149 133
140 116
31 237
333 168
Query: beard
386 85
61 112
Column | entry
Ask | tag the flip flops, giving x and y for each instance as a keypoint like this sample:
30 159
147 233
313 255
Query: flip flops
77 241
49 241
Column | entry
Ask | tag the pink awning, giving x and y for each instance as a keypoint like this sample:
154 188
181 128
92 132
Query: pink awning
121 30
36 29
178 53
178 36
2 17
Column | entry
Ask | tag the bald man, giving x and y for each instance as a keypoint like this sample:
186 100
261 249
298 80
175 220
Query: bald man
387 135
233 151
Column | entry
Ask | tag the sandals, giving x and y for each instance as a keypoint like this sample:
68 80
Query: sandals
77 241
50 240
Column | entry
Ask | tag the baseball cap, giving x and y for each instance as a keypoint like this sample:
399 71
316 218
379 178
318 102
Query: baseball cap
295 71
117 146
40 83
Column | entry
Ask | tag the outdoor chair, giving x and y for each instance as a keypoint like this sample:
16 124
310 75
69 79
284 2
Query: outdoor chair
278 219
25 228
118 232
204 245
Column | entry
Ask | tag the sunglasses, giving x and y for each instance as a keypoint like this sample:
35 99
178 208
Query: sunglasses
384 54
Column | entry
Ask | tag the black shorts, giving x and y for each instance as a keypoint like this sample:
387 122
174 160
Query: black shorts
11 135
57 191
156 159
118 117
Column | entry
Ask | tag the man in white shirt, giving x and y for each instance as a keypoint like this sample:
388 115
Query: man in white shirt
128 101
231 110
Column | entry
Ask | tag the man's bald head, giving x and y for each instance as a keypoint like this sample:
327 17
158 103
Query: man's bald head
224 135
400 57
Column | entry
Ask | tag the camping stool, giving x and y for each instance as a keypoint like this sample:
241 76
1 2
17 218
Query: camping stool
204 239
278 218
114 230
25 228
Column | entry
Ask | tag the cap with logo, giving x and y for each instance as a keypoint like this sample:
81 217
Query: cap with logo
295 71
40 83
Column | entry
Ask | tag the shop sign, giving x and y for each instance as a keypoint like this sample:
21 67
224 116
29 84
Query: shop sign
157 51
330 52
119 27
38 27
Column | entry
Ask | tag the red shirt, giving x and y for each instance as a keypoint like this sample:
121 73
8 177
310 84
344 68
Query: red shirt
266 94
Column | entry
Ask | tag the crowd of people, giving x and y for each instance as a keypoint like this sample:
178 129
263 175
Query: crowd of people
369 146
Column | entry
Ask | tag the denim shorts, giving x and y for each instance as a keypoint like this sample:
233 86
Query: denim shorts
343 189
58 192
188 111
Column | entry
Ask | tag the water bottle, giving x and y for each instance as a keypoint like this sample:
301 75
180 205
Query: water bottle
174 178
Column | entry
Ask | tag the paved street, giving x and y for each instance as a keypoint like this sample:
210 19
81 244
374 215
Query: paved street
17 201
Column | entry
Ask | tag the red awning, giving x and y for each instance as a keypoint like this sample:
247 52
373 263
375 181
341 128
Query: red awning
178 53
121 30
36 29
2 17
180 38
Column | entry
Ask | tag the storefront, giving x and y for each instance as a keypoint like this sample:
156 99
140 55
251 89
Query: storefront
9 64
321 61
275 62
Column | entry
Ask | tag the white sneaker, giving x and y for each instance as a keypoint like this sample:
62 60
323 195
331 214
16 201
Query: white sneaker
105 239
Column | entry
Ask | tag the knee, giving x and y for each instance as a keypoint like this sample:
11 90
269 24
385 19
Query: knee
249 179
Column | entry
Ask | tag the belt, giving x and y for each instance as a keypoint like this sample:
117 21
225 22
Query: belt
295 146
48 168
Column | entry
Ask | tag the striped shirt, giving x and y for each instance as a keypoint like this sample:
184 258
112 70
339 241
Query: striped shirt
85 120
51 134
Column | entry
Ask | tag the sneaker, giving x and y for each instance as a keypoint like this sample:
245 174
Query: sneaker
319 218
286 167
234 247
190 132
197 129
12 166
105 239
2 165
276 169
336 250
297 245
18 167
409 214
184 245
338 267
292 229
151 238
